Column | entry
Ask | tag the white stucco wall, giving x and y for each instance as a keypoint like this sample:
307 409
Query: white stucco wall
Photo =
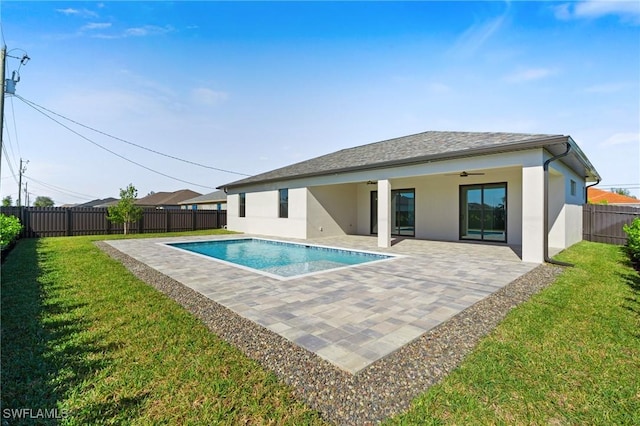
331 210
261 214
565 209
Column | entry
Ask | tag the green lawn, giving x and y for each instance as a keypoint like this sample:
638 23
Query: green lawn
569 356
81 334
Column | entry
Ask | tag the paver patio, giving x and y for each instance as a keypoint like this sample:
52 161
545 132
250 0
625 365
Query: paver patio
350 317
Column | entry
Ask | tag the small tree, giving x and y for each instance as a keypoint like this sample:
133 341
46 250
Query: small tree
622 191
125 211
7 201
43 202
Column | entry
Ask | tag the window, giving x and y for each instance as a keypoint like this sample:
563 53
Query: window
284 202
483 212
243 204
403 212
573 187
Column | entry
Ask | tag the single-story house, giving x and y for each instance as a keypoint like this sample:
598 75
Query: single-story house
166 200
216 200
599 196
524 190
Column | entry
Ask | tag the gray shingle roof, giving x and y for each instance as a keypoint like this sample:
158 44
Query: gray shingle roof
167 198
216 196
405 150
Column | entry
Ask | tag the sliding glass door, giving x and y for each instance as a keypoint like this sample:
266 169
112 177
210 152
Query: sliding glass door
483 212
403 212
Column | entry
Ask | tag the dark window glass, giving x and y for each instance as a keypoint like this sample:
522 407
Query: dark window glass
483 212
242 204
284 202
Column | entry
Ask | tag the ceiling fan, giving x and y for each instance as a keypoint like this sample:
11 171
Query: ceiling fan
465 174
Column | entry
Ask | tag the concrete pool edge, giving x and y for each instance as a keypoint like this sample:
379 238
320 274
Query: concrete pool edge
388 256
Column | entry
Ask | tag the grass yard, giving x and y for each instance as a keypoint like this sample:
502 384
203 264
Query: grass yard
569 356
81 334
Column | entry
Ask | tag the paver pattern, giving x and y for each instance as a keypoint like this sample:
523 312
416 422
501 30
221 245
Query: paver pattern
350 317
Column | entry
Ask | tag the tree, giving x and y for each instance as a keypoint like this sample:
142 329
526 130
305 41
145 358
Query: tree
125 212
622 191
43 202
7 201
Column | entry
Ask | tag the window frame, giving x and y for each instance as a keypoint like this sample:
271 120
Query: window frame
283 203
242 205
463 190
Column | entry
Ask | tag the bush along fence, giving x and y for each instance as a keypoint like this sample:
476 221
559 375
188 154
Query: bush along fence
603 223
63 221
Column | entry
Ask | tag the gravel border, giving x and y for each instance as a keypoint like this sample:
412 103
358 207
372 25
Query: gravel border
383 389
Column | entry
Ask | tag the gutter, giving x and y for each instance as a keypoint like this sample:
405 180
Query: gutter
546 208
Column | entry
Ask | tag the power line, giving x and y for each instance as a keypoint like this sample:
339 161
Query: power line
110 151
15 131
6 156
62 190
33 104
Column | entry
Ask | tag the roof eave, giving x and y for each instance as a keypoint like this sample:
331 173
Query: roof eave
541 143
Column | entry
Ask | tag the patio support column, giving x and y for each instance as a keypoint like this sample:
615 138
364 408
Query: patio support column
533 214
384 213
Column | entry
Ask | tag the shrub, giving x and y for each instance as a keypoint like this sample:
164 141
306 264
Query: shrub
633 238
10 228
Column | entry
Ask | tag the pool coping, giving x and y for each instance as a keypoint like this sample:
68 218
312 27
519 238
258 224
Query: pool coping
390 256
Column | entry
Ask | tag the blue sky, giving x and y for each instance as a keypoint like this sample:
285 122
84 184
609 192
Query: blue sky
248 87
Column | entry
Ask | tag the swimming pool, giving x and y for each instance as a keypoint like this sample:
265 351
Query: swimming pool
277 258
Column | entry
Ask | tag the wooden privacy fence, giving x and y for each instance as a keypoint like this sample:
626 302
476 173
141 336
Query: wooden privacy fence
602 223
63 221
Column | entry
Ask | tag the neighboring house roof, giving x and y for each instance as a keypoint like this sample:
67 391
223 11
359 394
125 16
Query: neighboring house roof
596 196
422 147
102 202
212 197
167 198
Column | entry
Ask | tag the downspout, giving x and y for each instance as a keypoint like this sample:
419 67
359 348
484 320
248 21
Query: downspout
545 232
586 190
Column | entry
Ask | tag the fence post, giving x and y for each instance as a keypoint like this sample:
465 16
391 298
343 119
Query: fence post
68 222
593 222
193 220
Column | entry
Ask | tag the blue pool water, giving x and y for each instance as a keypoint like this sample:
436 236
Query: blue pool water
279 258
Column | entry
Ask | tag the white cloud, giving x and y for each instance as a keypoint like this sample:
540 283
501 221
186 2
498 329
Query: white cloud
147 30
143 31
96 26
207 96
68 11
529 74
628 11
622 139
77 12
476 35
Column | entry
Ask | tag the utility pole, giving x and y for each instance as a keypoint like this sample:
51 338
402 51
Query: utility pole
3 56
26 194
8 85
20 172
